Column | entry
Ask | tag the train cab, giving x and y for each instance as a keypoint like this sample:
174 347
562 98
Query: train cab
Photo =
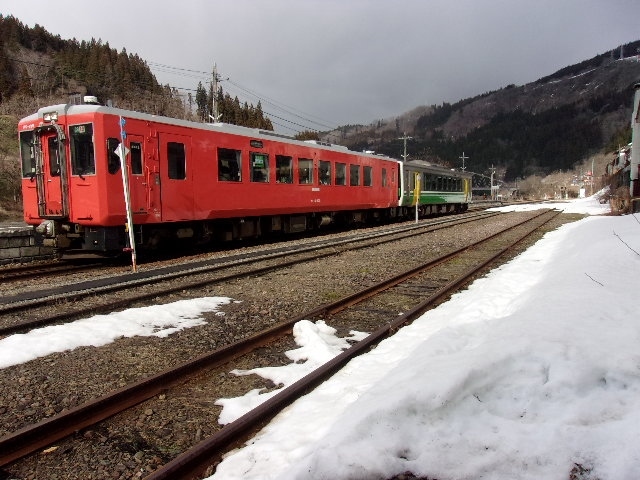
65 192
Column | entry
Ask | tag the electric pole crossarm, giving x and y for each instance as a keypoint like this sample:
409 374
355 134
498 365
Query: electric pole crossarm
405 138
463 158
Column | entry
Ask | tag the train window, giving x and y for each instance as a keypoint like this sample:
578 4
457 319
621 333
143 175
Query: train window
26 154
284 172
324 172
113 160
354 175
368 176
54 156
176 160
259 167
229 165
305 171
384 177
82 154
136 158
439 184
341 173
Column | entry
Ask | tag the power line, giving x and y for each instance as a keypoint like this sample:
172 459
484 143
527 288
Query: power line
177 68
274 103
197 74
204 76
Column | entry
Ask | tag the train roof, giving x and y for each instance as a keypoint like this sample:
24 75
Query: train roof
436 169
76 109
86 108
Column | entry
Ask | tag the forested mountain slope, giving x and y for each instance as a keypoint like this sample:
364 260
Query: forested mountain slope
547 125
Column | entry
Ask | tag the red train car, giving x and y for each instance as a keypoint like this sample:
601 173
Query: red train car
187 179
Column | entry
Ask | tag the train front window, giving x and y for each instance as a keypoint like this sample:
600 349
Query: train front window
26 154
82 153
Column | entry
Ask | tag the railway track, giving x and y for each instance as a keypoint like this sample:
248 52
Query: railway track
424 284
41 271
183 276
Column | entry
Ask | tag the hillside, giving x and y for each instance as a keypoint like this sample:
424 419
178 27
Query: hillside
38 68
552 124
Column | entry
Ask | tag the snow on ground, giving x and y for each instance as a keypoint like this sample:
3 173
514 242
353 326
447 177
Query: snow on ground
156 320
591 206
532 370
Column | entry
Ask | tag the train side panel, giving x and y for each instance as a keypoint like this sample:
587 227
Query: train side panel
275 178
440 189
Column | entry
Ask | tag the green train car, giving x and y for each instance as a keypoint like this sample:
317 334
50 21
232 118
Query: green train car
433 188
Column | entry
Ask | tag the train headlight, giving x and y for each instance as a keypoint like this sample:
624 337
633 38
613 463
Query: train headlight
50 116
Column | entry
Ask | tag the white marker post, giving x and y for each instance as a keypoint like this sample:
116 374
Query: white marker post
122 151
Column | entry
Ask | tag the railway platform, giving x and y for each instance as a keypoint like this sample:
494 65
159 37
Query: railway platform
18 244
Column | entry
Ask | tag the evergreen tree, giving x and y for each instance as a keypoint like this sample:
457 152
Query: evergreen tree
307 135
201 102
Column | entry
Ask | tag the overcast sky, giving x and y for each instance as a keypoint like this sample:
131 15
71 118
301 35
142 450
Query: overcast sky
340 62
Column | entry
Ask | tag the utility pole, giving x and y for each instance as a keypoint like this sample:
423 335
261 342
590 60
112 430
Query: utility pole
463 158
405 138
214 105
493 171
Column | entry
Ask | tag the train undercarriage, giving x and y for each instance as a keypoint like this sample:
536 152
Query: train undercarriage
114 239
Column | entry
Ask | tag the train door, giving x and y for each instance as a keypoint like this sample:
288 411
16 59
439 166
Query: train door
138 186
176 177
50 175
400 183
